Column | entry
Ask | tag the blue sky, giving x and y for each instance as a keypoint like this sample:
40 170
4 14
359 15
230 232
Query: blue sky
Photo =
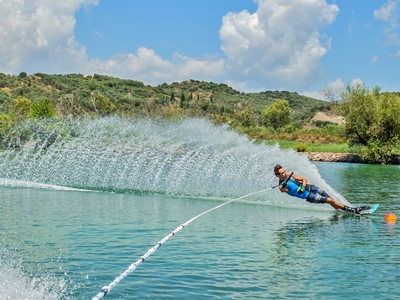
300 46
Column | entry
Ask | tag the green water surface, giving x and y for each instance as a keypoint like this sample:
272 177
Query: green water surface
57 244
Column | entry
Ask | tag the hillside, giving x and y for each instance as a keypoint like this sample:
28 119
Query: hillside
75 94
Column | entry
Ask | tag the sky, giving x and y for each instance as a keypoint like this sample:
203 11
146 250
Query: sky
302 46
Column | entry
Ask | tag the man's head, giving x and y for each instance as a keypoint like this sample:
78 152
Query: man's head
280 172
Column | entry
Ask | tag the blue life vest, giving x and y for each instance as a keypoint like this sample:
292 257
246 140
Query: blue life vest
292 185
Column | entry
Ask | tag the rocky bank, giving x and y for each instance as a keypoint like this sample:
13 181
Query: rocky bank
343 157
334 157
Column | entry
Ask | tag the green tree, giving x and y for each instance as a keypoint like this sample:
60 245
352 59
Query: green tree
245 118
6 123
41 110
21 107
172 98
183 103
103 105
359 109
3 96
277 114
388 117
372 119
173 111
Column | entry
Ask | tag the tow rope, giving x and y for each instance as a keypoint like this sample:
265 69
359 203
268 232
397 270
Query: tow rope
106 289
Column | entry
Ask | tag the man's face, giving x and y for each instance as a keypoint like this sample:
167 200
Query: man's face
281 174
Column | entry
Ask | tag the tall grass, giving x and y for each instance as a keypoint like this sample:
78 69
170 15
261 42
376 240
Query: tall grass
328 138
315 146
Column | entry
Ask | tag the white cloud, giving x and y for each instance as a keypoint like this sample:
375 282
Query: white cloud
386 12
389 14
279 45
337 84
374 59
356 82
315 95
150 68
39 35
331 92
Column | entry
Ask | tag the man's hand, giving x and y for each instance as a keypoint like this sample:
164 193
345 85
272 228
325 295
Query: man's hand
285 182
301 189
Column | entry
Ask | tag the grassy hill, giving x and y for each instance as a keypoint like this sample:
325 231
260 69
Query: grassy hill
26 99
75 94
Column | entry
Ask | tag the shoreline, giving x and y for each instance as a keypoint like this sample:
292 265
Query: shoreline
334 157
342 157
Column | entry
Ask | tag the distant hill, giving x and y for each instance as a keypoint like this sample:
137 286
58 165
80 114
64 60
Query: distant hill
75 94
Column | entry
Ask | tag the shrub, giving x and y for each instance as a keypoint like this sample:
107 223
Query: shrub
300 148
103 105
277 114
6 123
173 111
378 152
41 110
3 96
21 107
289 128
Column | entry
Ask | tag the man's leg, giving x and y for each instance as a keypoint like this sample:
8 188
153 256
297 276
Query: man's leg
335 204
338 205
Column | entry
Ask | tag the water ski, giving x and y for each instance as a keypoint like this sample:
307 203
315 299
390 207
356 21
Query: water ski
365 209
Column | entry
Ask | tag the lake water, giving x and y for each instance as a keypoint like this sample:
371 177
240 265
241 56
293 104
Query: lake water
66 230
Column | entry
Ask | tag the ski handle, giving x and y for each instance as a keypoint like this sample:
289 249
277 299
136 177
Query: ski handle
286 180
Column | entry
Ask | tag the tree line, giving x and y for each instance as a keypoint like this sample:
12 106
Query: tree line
371 117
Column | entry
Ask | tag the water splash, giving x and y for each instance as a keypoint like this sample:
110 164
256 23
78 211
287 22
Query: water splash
191 157
18 283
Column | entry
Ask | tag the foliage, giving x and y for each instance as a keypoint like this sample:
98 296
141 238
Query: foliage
173 111
388 117
6 123
3 96
300 148
277 114
320 123
372 119
72 95
289 128
21 107
326 135
38 133
102 105
266 115
245 118
359 110
41 110
316 147
377 152
221 119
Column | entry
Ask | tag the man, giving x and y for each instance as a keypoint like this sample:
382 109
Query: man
297 186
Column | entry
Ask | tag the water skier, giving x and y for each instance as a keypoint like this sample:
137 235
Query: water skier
296 186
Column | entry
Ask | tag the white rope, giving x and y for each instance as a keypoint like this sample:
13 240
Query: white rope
132 267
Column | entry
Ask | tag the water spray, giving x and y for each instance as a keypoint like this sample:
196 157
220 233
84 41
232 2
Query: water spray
106 289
